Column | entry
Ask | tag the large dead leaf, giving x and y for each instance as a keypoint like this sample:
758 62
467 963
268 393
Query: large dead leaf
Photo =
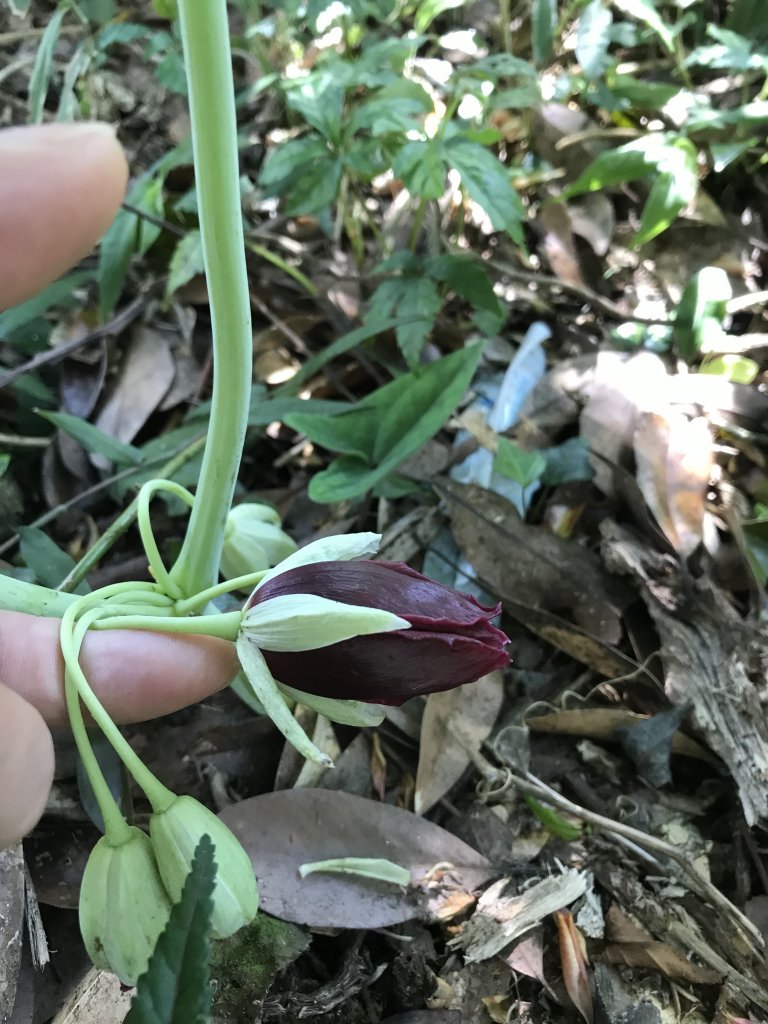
145 376
455 724
674 462
529 564
284 830
11 925
573 960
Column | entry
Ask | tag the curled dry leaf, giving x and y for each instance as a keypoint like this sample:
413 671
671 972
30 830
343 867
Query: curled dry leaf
674 462
573 958
307 825
455 724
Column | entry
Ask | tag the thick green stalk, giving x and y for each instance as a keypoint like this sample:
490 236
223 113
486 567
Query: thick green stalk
205 35
18 596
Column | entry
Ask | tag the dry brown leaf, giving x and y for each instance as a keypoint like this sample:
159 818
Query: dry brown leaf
528 957
633 946
558 244
306 825
528 564
145 376
573 958
99 998
455 724
674 463
602 723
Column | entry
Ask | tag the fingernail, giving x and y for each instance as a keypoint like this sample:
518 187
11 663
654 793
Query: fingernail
53 134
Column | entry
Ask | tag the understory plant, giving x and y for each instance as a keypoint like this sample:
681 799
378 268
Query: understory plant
324 627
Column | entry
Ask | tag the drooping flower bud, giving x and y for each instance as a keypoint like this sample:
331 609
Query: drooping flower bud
253 540
175 833
444 638
124 905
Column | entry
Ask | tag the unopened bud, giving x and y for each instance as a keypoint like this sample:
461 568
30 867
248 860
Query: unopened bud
123 905
253 540
175 834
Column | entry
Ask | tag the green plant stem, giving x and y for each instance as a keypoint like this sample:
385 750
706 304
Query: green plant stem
159 796
116 828
225 625
18 596
205 35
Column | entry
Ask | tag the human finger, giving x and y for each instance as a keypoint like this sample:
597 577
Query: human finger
26 766
60 188
136 675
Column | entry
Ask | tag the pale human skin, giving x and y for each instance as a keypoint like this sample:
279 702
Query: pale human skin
60 188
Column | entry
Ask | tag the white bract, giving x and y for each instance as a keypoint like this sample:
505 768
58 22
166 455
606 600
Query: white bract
306 622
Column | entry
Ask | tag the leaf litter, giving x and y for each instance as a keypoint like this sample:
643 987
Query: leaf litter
633 592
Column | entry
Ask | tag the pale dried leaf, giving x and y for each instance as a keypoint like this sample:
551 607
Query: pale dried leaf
99 998
500 919
455 725
573 959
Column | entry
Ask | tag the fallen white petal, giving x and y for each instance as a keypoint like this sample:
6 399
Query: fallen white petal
304 622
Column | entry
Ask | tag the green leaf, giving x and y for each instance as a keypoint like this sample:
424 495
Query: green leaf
57 294
554 822
127 235
186 262
647 95
487 181
645 12
543 23
428 10
466 276
701 311
733 367
403 416
46 559
93 439
317 188
352 433
41 72
395 108
420 302
670 193
176 987
291 159
630 162
593 38
319 99
519 465
421 167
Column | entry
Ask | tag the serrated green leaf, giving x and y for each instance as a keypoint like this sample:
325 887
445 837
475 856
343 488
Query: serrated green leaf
417 302
593 38
421 167
645 12
467 277
519 465
319 99
428 10
176 988
93 439
630 162
487 181
404 415
41 72
186 262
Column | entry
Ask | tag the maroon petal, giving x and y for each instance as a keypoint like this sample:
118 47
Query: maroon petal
392 586
388 668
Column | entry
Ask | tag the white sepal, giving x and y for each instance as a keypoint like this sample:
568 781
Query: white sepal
265 689
329 549
304 622
345 712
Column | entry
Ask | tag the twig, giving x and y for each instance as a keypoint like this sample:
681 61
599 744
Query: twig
704 888
117 324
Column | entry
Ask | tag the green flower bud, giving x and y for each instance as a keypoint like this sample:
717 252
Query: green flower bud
123 906
175 834
253 540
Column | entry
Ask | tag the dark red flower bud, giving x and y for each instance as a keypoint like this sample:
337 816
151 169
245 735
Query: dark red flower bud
451 640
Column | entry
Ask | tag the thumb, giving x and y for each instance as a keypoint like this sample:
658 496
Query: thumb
26 766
